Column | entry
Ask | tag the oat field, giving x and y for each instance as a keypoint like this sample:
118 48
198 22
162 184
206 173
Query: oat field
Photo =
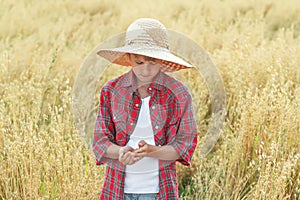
254 44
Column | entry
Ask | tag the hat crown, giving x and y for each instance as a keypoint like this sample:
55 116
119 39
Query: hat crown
146 31
147 37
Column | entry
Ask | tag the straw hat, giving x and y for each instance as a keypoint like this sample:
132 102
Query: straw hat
147 37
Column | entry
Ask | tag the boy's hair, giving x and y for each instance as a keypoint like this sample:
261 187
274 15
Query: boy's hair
147 58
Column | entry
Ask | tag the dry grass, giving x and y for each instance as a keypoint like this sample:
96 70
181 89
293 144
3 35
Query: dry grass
255 45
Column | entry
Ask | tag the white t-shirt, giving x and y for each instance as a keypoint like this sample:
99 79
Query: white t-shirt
143 176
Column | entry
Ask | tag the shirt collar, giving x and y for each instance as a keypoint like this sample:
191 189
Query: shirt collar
130 81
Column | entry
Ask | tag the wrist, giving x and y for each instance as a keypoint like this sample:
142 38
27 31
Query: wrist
112 151
121 151
152 150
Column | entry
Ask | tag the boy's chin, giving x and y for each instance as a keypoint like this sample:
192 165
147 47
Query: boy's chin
144 81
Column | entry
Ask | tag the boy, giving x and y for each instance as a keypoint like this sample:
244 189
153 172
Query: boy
145 120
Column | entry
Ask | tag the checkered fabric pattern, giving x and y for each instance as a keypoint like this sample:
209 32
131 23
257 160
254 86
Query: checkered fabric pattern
172 121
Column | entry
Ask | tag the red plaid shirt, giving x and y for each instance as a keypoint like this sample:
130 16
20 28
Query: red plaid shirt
172 121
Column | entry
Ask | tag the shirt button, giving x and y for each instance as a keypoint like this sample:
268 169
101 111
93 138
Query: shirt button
153 107
137 105
156 127
131 124
149 88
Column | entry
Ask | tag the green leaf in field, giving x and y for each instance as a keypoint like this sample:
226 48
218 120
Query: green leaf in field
55 186
42 188
86 167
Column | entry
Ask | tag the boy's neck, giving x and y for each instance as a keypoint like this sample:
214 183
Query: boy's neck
143 91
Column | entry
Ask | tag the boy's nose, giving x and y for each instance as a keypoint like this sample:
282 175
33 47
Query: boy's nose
146 69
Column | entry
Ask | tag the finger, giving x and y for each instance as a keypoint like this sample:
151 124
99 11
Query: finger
126 155
142 143
142 149
135 159
134 151
138 158
121 153
131 161
122 157
124 150
128 148
139 151
127 158
142 154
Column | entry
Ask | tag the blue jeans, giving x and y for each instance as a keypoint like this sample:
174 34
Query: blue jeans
150 196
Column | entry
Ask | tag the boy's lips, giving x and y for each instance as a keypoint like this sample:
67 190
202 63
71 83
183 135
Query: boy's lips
147 76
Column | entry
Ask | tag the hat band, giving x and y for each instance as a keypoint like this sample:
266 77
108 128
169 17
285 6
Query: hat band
147 43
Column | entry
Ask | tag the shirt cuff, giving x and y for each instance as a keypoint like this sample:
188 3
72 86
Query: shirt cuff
100 150
183 153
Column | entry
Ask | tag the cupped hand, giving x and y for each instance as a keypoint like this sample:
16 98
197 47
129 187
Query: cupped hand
127 156
144 149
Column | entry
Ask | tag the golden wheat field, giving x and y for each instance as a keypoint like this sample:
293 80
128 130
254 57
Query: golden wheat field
254 44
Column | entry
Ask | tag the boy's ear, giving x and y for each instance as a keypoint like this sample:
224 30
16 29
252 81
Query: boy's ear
124 59
127 59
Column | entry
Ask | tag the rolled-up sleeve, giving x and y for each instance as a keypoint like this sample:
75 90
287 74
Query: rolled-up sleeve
185 139
104 129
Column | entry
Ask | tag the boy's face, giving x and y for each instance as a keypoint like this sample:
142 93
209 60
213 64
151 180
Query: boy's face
145 68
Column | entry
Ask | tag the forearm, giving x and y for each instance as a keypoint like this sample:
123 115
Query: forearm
166 152
125 154
112 151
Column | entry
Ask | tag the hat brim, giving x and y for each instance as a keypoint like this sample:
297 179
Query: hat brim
170 62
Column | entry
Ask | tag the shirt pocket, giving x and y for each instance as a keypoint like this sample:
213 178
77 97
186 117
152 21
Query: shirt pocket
119 118
161 115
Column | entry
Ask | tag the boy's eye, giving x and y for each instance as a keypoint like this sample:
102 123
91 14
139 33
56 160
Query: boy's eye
141 62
